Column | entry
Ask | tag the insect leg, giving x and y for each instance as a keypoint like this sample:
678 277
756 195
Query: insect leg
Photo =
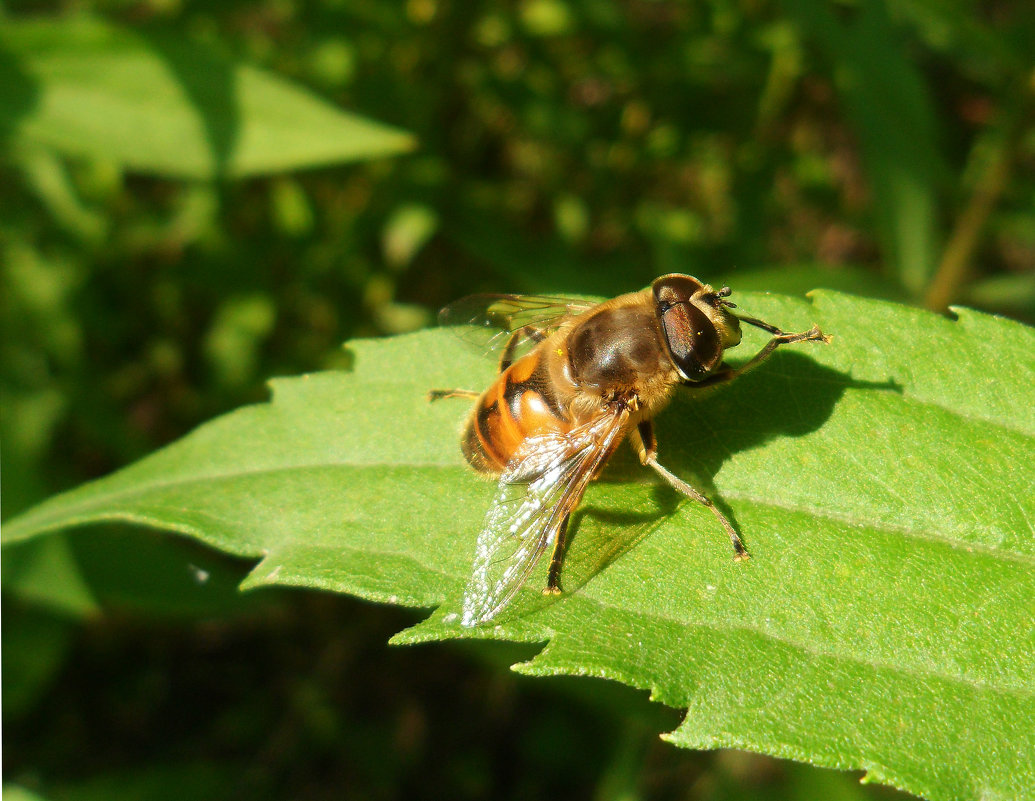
526 332
553 580
779 338
643 441
439 394
647 447
772 329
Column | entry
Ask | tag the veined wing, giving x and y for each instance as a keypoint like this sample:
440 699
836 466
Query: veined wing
543 483
489 321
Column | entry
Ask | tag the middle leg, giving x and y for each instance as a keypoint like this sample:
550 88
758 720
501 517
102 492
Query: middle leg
647 449
553 580
779 338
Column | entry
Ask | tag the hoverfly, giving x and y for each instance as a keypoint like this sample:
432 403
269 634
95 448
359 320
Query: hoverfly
596 374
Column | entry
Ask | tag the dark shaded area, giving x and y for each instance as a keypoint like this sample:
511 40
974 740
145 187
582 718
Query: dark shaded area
209 81
719 411
18 94
308 702
797 396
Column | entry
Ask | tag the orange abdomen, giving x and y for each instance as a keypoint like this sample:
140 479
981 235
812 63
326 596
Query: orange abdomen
522 402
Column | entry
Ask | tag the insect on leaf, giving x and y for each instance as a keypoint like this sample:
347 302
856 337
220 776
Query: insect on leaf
535 495
886 619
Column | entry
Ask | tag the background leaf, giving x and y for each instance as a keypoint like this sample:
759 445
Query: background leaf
892 113
158 103
885 622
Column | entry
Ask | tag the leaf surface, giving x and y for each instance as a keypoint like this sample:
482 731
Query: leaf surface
882 484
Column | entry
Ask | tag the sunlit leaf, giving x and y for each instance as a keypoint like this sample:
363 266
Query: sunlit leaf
886 621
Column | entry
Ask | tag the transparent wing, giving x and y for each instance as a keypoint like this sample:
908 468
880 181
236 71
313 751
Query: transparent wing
489 321
542 484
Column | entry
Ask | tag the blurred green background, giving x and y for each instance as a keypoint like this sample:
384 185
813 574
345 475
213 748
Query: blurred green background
881 148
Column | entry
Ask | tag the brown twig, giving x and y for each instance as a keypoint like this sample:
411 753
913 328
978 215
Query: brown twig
954 267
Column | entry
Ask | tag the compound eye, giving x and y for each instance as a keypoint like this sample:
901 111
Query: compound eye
693 341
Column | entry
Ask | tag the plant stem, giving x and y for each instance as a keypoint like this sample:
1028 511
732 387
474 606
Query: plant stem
953 269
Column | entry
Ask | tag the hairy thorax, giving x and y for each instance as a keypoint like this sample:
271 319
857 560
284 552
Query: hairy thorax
617 353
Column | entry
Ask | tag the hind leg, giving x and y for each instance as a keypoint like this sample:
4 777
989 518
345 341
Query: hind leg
439 394
647 449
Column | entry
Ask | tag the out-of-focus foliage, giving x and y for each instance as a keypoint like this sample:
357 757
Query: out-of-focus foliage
158 104
885 148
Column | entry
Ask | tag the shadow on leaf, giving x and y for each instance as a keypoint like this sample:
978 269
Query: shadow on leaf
790 395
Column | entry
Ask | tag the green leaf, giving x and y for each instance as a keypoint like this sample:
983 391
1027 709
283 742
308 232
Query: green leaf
892 113
883 485
158 103
951 27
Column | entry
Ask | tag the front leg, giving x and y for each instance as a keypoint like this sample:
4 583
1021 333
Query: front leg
727 373
647 449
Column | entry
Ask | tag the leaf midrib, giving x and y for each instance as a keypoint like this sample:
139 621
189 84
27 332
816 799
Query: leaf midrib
803 646
185 483
922 535
970 415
